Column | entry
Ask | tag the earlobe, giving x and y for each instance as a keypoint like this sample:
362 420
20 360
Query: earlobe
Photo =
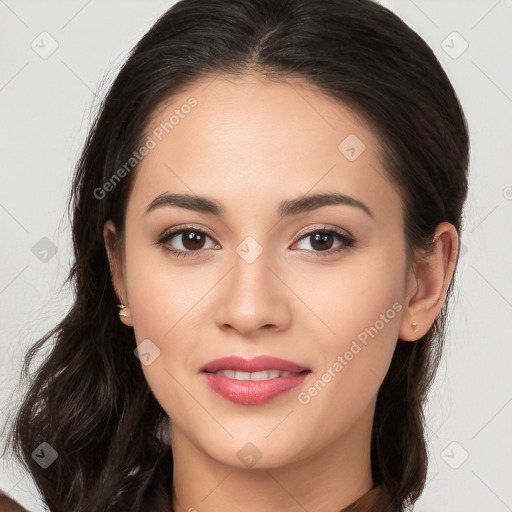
116 270
428 283
125 315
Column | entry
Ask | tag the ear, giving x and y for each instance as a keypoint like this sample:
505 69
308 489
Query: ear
428 282
116 263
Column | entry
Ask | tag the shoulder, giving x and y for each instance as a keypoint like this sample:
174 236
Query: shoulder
9 505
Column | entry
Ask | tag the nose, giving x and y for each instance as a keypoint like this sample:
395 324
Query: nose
253 298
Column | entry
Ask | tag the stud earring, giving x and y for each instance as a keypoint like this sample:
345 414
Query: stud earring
121 307
414 326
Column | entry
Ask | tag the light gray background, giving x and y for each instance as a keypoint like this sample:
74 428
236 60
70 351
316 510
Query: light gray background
46 107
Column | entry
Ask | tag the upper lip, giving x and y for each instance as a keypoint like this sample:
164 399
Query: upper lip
254 364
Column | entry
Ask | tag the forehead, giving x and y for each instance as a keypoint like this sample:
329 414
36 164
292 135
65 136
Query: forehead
254 109
245 136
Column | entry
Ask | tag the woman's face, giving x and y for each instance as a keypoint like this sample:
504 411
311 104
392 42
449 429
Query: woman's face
258 275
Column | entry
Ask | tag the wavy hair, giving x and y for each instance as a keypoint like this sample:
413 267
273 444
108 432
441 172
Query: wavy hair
88 398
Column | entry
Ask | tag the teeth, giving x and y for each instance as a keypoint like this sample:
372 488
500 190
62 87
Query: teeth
263 375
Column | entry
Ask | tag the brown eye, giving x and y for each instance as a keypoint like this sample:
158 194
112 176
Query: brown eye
322 242
185 241
192 240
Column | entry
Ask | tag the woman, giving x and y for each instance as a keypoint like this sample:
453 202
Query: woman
266 223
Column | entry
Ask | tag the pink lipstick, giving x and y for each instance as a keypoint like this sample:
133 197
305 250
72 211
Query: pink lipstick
253 381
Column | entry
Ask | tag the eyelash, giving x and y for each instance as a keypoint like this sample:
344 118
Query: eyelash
347 241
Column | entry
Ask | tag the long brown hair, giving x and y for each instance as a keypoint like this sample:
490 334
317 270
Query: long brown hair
89 399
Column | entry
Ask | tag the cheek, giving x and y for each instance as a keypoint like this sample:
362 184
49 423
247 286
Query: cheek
161 293
362 293
359 307
356 360
165 303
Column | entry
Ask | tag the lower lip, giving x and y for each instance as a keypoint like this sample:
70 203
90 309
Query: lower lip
252 392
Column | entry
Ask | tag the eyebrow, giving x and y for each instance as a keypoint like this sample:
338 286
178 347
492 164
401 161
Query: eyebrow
286 208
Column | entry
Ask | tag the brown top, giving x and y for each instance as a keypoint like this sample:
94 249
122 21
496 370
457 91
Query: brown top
9 505
375 500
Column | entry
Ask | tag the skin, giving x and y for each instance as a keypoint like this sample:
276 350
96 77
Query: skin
250 144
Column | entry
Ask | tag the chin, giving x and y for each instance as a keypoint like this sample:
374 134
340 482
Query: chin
254 450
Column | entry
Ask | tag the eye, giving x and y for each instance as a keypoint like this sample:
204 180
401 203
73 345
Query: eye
189 240
323 239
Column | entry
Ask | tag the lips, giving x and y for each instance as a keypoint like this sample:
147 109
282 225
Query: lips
253 381
255 364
